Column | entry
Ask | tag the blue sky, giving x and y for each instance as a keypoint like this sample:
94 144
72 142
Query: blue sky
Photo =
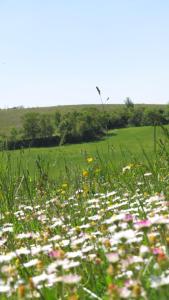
56 52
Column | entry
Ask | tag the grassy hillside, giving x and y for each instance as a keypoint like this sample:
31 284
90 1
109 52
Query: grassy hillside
12 117
116 150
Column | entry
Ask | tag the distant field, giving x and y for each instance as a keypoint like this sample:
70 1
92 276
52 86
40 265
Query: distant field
119 148
12 117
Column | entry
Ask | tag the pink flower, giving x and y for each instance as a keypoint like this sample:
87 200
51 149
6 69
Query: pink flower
56 254
71 278
157 251
159 254
128 217
143 223
112 257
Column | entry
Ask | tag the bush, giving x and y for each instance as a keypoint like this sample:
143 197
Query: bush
153 117
37 125
80 126
38 142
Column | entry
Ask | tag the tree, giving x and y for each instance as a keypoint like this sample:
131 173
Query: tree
46 126
31 125
153 116
80 126
129 103
136 117
57 118
13 134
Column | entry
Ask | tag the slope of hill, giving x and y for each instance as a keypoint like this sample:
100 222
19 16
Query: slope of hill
12 117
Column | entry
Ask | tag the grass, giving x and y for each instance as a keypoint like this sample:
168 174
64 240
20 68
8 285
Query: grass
116 149
65 163
86 221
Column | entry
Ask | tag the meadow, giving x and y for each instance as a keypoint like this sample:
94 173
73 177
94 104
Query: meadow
87 221
117 148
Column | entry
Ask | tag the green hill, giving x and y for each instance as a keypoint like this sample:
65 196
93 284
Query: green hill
120 147
12 117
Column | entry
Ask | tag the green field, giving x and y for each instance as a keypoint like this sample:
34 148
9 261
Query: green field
65 164
115 149
86 221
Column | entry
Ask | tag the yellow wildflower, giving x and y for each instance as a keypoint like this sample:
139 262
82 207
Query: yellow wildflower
17 262
152 238
64 185
89 159
85 173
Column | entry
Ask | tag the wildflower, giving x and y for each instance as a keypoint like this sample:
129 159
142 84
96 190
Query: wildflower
136 290
128 218
37 279
144 250
64 186
71 279
97 170
107 243
127 168
71 264
4 288
161 258
31 263
147 174
21 291
113 290
8 270
112 257
39 265
98 261
152 238
56 254
124 293
85 173
89 159
78 230
87 249
94 218
7 257
157 251
27 235
85 189
74 254
110 270
78 192
156 282
143 224
124 235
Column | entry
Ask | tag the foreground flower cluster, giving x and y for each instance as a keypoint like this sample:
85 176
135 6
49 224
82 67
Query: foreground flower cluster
113 246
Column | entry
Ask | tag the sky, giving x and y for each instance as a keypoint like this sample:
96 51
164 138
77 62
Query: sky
55 52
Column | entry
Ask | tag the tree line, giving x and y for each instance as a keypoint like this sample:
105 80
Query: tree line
85 125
